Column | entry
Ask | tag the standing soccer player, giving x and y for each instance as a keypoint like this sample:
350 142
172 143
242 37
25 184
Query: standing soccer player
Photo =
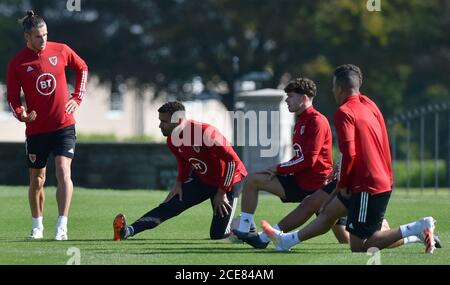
39 70
299 180
365 182
208 168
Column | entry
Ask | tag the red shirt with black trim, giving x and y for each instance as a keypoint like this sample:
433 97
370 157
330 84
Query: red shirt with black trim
364 144
201 148
312 143
41 76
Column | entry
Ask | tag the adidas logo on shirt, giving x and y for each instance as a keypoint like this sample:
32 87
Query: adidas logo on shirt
29 69
71 151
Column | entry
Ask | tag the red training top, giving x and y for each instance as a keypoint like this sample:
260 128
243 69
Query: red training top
201 148
312 143
364 144
42 77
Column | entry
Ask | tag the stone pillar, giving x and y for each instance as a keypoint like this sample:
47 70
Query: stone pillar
272 115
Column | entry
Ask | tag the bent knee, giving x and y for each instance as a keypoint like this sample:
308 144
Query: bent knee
38 180
63 175
256 179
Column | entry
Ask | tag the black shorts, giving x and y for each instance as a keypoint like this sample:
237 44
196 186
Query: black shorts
365 212
329 187
60 142
292 191
295 193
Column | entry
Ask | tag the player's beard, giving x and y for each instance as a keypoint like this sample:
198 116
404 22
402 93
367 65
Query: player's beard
38 46
166 132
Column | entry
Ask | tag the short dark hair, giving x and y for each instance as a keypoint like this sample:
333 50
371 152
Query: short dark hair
171 107
31 21
302 85
348 76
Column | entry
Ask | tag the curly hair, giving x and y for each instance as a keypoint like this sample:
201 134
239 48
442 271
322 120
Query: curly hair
171 107
348 76
302 85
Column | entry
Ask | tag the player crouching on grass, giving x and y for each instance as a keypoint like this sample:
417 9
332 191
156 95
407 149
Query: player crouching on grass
303 179
208 168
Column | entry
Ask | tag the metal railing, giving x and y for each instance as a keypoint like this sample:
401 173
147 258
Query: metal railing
433 125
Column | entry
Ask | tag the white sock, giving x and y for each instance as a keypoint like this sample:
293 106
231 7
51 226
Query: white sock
290 239
264 237
411 229
411 239
62 222
37 222
246 220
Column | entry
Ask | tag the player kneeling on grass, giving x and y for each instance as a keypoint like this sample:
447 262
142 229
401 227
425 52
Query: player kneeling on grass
303 179
208 168
365 180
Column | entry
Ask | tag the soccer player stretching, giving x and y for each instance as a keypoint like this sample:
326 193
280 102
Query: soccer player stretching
365 182
299 180
208 168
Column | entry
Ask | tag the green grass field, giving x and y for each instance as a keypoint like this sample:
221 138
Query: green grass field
184 239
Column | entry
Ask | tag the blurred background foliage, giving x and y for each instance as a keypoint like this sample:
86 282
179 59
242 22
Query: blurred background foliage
403 50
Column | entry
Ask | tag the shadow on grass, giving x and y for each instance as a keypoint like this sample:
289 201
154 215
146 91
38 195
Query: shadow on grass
221 250
132 240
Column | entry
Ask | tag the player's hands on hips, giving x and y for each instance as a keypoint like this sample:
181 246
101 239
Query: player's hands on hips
71 106
27 118
221 204
176 190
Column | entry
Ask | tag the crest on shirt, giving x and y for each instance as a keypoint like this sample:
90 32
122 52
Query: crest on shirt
196 148
302 130
53 60
32 158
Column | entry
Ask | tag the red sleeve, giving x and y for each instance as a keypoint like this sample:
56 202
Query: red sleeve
184 167
81 73
345 127
306 156
13 91
224 151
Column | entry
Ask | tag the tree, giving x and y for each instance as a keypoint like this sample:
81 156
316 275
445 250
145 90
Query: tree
403 50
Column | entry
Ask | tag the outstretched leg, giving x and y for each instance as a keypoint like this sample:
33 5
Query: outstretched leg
194 192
